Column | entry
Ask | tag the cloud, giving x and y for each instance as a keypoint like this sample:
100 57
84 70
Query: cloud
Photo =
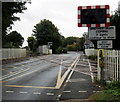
63 13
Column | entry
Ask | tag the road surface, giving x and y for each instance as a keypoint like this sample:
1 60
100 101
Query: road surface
39 78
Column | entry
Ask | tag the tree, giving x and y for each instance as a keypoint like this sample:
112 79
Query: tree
8 17
74 43
71 40
45 31
31 43
115 21
15 39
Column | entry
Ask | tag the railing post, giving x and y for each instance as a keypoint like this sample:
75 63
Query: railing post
117 70
100 68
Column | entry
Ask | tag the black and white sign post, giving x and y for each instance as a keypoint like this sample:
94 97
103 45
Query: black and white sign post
101 65
50 44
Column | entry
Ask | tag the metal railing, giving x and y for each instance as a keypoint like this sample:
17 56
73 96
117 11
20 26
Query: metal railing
111 65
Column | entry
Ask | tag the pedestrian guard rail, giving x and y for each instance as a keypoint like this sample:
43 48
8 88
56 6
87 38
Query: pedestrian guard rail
112 65
11 53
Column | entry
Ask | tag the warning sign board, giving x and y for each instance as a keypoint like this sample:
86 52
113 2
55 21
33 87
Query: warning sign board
98 33
94 16
104 44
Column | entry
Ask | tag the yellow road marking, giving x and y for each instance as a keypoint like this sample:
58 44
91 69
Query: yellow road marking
22 86
11 72
2 69
18 76
59 73
14 73
61 80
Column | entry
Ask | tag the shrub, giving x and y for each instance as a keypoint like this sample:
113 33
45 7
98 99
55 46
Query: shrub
110 94
61 50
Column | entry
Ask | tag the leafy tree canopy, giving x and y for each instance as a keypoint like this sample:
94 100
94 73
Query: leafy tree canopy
31 42
71 40
8 17
15 39
45 31
115 21
74 43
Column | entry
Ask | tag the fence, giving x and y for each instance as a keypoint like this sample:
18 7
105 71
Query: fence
10 53
90 52
111 65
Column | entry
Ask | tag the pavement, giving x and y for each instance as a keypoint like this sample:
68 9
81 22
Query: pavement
79 86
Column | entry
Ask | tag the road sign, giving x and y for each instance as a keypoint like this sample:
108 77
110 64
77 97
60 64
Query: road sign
104 44
93 16
99 33
50 43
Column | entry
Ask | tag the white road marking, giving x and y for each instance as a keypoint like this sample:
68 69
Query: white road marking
97 91
50 94
67 91
67 80
9 91
85 73
82 91
13 73
92 77
82 65
72 71
23 75
23 92
36 93
59 95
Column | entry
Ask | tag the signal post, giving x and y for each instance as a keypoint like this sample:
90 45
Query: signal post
97 19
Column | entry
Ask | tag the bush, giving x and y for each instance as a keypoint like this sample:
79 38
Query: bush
110 94
61 50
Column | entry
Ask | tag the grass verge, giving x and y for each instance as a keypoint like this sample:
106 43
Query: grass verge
111 93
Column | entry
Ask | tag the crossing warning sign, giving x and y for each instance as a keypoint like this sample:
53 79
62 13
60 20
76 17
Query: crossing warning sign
94 16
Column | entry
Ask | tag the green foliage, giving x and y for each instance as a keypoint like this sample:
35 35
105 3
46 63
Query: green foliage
72 47
110 94
74 43
71 40
61 50
45 31
14 39
115 21
31 43
8 17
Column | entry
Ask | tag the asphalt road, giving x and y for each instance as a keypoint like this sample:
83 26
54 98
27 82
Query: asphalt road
39 78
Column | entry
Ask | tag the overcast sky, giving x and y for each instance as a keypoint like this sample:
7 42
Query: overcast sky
63 14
